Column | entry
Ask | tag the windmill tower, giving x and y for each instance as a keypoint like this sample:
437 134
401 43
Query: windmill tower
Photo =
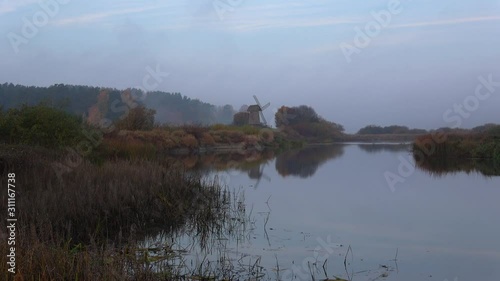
254 112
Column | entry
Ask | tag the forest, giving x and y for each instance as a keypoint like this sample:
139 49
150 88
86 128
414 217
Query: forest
171 108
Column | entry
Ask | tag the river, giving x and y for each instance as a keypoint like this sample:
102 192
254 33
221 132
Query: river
330 212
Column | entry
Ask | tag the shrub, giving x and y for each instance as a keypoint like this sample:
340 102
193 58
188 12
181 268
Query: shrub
252 140
496 153
40 125
178 133
196 130
236 136
189 141
494 131
217 138
207 139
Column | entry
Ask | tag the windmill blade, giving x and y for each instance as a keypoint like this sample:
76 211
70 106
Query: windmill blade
263 175
264 121
258 103
266 177
265 106
256 183
256 99
262 109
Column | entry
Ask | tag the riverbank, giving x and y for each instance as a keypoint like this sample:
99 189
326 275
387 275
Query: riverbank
441 153
220 139
482 146
185 140
85 225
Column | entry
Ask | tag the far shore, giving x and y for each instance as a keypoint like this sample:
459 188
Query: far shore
350 139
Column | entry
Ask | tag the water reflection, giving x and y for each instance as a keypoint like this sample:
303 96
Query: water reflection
421 229
205 250
242 161
305 162
376 148
453 166
251 163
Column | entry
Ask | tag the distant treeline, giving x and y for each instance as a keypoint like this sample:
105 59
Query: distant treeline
172 108
394 129
489 128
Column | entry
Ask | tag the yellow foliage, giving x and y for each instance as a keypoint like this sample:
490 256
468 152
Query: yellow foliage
189 141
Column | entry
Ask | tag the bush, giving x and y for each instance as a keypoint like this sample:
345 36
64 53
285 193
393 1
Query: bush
196 130
494 131
236 137
40 125
496 153
207 139
178 133
189 141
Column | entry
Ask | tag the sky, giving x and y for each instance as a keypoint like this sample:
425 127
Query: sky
408 62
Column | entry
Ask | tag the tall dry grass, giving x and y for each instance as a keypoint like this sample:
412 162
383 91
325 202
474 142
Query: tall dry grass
79 228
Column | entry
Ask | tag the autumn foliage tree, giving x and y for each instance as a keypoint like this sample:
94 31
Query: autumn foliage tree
139 118
304 121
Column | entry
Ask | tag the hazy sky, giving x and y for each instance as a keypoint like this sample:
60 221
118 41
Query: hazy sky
417 59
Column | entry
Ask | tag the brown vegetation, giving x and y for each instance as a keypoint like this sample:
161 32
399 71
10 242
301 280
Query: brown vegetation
470 150
164 140
304 123
85 226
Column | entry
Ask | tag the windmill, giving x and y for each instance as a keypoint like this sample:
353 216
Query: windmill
257 173
262 108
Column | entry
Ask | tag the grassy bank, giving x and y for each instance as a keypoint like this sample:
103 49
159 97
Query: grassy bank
86 226
459 146
440 153
192 140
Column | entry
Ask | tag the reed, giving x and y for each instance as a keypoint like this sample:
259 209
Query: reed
85 226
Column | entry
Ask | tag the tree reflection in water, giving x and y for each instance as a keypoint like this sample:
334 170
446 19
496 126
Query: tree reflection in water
376 147
305 162
446 166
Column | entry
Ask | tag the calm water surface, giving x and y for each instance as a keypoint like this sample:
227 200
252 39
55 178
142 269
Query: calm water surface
307 208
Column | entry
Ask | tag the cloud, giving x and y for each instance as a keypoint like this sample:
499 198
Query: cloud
446 22
96 17
400 39
285 15
7 6
262 17
273 23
